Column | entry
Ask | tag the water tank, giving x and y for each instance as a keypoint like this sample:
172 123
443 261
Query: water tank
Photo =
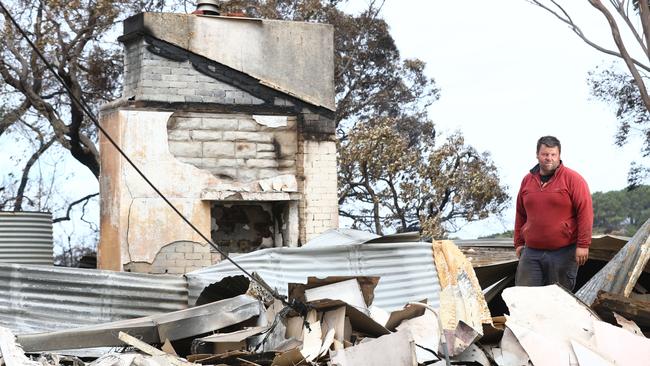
26 237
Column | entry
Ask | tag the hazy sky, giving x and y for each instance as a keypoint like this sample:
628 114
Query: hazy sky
510 73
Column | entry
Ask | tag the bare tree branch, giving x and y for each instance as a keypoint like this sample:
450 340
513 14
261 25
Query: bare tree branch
576 29
644 14
67 215
638 80
621 8
14 115
25 176
395 196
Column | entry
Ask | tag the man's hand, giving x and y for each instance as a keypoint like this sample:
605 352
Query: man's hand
519 249
582 254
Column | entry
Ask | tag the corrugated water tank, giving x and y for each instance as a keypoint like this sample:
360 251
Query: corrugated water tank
26 237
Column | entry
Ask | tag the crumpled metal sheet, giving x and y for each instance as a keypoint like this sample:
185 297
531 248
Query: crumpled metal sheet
151 329
407 270
621 273
46 298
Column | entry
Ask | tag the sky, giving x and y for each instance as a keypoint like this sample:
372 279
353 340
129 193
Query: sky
510 73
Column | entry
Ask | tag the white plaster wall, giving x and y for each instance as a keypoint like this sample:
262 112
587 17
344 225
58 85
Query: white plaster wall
132 212
148 222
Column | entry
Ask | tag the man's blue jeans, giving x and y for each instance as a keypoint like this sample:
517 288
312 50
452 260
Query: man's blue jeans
538 267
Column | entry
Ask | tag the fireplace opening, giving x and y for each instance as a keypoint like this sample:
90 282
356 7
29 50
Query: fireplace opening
243 227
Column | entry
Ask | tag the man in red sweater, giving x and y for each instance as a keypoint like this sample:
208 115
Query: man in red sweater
553 222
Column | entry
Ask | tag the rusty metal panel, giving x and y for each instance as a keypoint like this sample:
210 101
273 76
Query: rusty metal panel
44 298
26 237
407 270
461 297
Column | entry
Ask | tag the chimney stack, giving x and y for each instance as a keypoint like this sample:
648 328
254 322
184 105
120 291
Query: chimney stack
207 7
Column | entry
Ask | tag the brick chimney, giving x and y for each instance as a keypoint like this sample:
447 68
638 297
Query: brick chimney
233 120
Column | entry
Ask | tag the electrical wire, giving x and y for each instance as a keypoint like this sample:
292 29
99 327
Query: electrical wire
86 109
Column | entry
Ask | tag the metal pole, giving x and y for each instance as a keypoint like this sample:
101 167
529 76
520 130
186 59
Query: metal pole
443 339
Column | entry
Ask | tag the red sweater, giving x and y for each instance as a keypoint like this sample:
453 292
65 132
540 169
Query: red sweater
555 215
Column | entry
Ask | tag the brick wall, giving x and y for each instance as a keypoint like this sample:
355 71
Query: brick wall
182 257
319 208
233 146
153 78
317 125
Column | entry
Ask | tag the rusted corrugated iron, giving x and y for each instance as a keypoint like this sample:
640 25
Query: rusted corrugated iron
463 309
459 282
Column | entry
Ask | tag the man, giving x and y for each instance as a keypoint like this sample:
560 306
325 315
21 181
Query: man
553 222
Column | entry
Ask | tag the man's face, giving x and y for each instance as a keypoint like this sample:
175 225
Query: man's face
548 158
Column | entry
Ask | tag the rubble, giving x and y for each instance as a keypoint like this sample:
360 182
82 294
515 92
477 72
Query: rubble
622 272
374 352
152 329
162 357
12 354
407 269
610 307
336 320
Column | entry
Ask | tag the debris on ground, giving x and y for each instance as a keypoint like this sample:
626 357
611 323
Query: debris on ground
342 319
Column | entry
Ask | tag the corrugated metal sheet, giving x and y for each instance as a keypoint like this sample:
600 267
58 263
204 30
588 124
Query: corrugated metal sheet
407 270
41 298
342 236
26 237
151 329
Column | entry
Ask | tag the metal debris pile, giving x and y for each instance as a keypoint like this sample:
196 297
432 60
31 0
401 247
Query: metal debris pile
341 319
337 325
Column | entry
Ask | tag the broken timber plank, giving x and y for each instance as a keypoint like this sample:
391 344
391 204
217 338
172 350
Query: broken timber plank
629 308
621 273
153 351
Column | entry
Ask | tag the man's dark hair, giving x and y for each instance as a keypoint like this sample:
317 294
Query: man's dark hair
549 141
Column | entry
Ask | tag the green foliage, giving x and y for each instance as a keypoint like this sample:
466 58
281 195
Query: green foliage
390 182
617 89
621 212
504 235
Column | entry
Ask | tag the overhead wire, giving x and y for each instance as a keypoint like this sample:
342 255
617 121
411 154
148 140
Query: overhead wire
81 103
